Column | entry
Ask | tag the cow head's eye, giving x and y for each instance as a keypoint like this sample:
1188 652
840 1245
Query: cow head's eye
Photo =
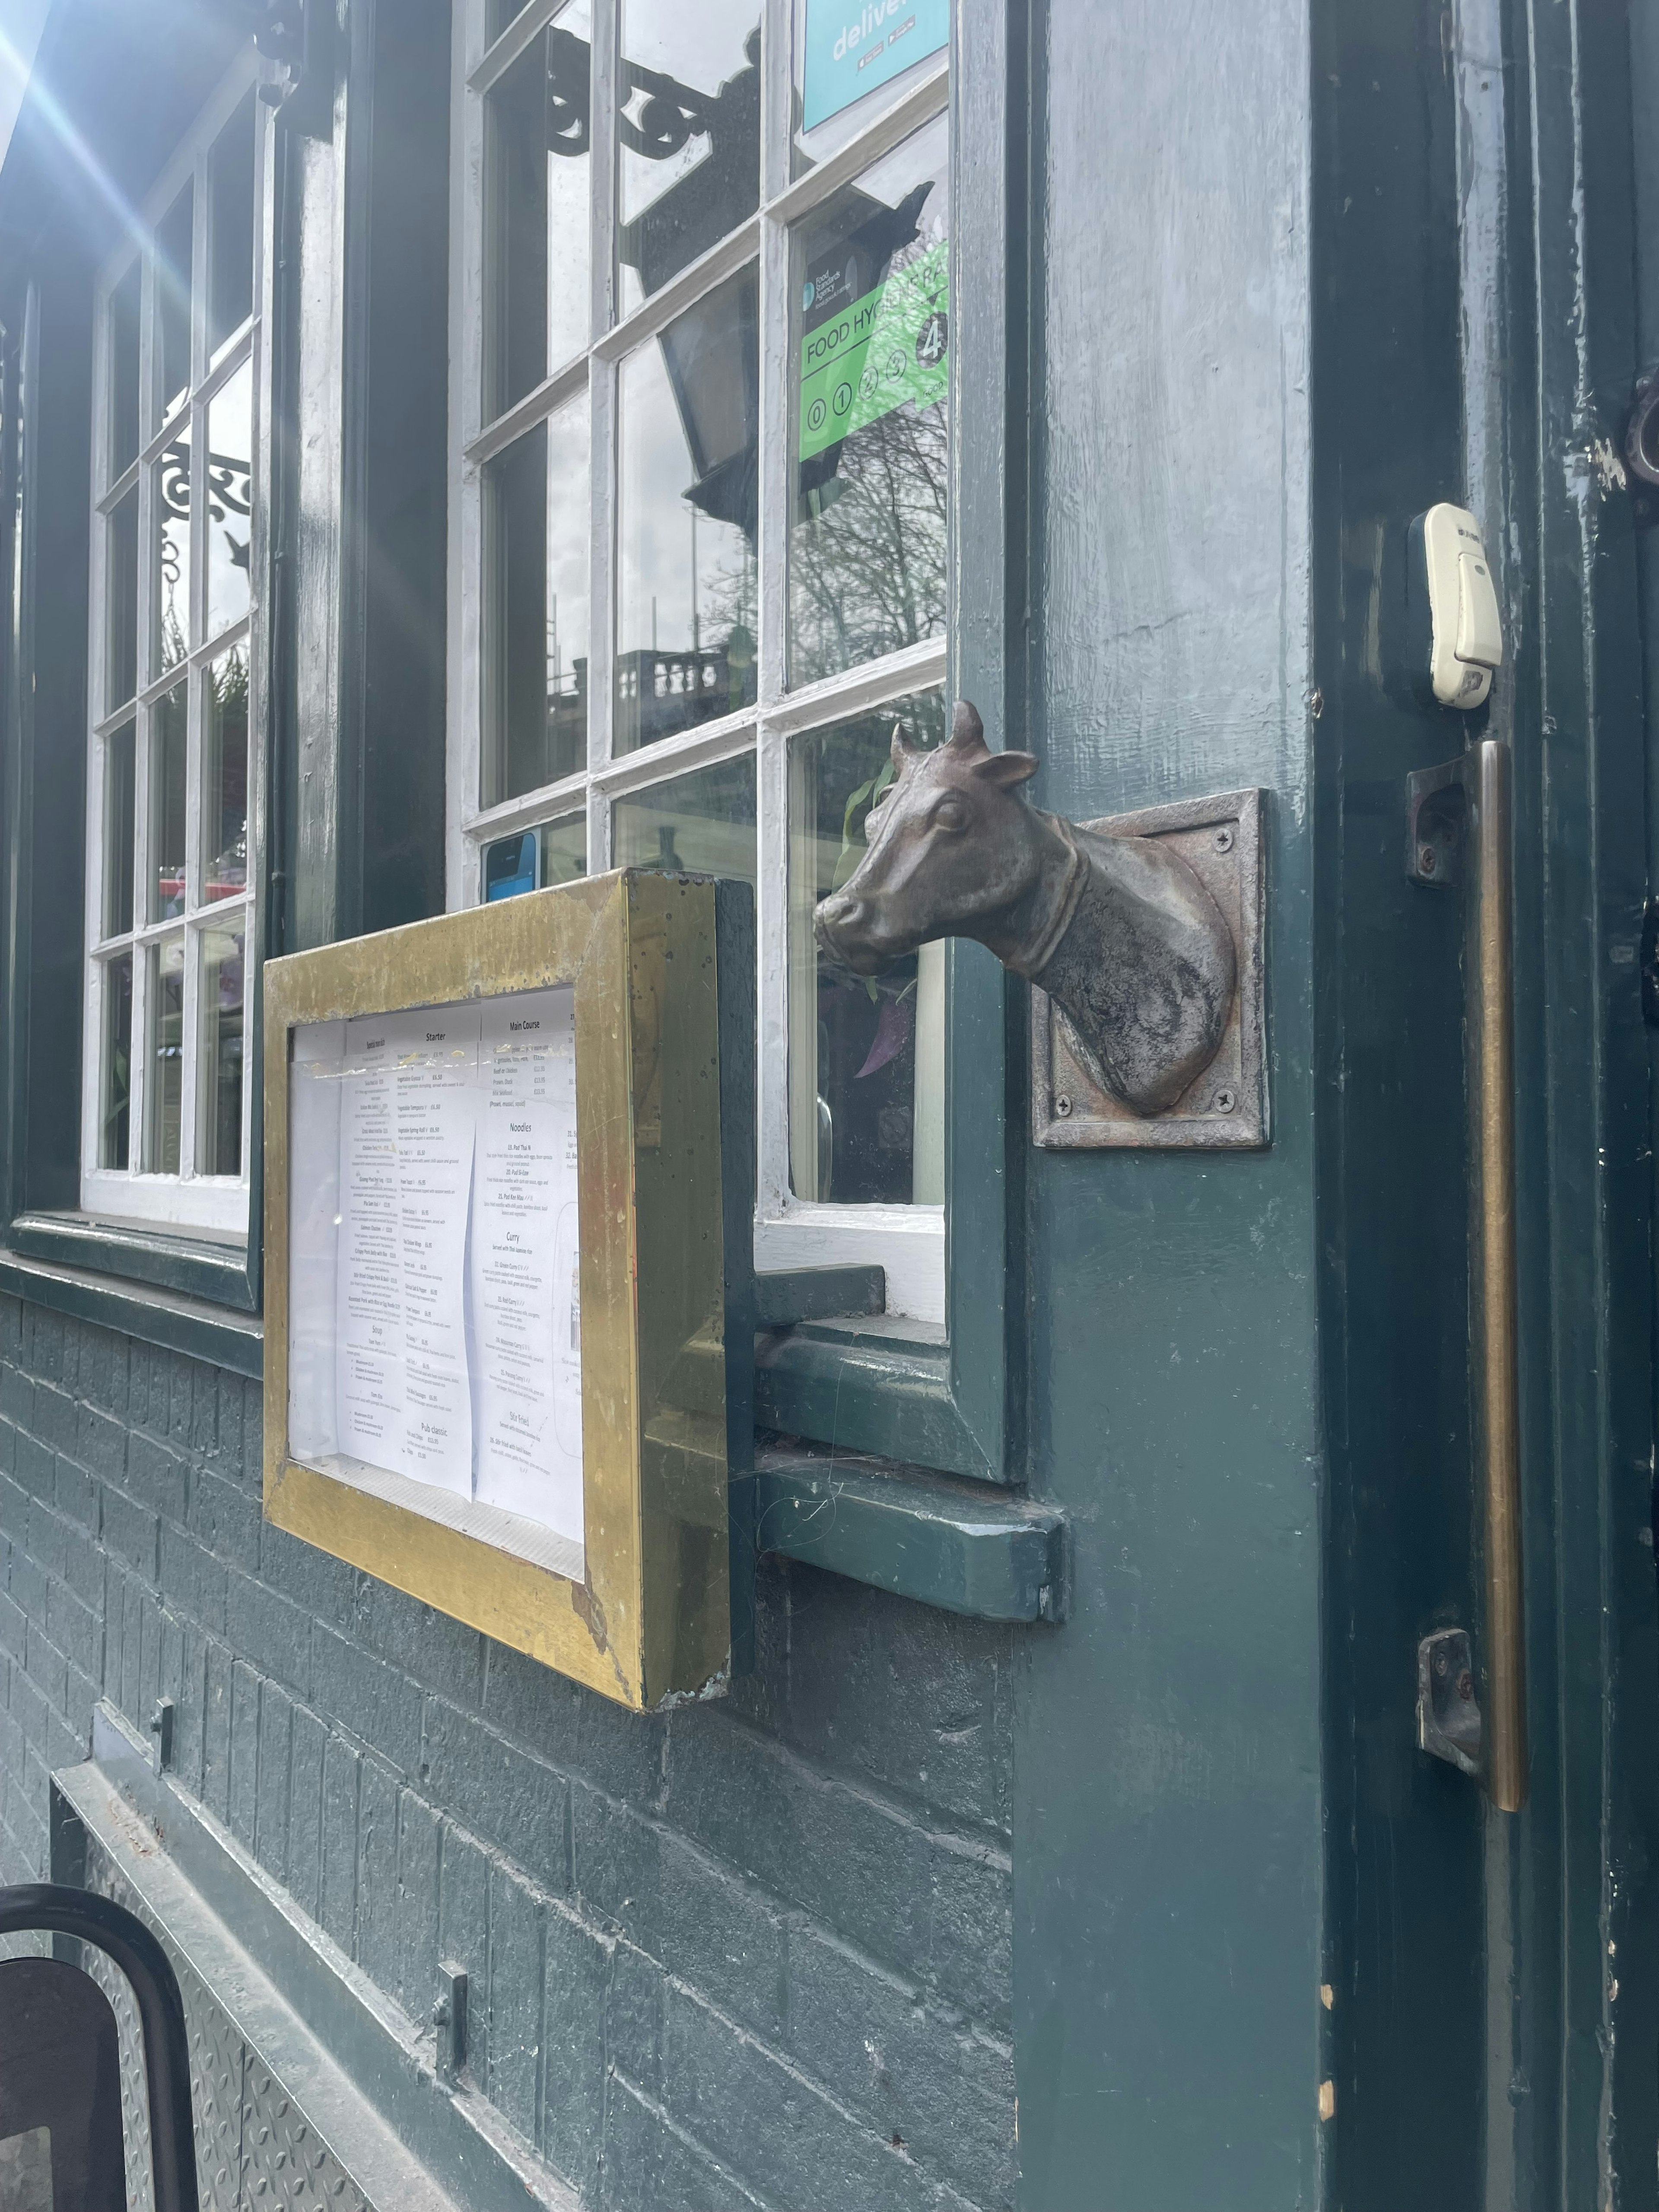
950 814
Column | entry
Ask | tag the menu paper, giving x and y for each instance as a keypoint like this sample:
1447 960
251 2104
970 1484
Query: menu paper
435 1332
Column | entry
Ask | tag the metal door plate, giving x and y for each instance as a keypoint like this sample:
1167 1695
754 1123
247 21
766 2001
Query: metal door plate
1226 1110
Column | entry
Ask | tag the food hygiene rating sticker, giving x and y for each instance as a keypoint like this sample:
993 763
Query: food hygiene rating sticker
888 346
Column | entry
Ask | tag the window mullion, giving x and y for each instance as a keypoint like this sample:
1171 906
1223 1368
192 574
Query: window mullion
772 920
138 1063
602 431
193 860
772 750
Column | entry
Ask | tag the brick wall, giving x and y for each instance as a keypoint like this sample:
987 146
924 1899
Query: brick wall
753 1952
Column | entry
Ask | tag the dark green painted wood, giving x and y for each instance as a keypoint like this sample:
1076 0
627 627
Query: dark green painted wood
865 1389
190 1325
1578 1888
1404 1870
784 1296
952 1544
194 1267
1168 1811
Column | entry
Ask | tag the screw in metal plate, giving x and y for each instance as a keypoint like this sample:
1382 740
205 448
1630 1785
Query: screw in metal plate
1224 841
1062 1106
1222 1102
1426 860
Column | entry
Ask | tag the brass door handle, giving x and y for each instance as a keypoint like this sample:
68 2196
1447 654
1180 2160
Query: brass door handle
1458 825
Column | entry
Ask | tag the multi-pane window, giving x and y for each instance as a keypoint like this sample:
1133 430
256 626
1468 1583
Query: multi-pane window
701 362
173 770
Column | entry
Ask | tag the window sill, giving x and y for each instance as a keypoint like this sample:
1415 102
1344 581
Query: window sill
951 1544
873 1384
190 1325
212 1269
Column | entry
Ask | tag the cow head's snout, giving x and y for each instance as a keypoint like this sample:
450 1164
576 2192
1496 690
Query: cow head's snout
849 934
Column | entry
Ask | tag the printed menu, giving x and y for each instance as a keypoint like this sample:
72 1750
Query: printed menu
434 1331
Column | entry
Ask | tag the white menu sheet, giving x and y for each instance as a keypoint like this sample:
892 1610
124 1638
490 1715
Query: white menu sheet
434 1320
525 1303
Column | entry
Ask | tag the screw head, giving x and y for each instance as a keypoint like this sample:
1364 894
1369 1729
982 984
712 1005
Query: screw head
1062 1106
1224 841
1441 1663
1428 860
1222 1102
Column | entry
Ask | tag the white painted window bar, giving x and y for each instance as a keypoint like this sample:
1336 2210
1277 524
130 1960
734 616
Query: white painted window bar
174 798
795 182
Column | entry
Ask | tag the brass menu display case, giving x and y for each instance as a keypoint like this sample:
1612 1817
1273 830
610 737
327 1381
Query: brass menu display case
506 1251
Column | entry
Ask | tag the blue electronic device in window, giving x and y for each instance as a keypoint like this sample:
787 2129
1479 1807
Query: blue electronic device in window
512 864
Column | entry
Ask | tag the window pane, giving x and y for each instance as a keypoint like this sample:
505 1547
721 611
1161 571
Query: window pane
500 14
229 463
564 849
536 278
121 611
119 820
689 90
117 1081
701 824
224 778
124 373
536 517
685 593
841 60
219 1105
164 1065
173 252
230 186
171 494
871 348
168 723
867 1054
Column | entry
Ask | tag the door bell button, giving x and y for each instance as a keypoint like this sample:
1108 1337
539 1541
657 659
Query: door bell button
1466 639
1479 637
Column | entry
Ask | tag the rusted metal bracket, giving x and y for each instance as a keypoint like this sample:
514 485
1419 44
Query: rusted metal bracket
1448 1711
1436 812
1220 839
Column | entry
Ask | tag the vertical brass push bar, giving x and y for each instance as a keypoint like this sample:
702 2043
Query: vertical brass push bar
1493 1292
1458 828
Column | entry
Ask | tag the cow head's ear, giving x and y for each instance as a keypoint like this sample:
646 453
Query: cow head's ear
967 731
1006 769
902 750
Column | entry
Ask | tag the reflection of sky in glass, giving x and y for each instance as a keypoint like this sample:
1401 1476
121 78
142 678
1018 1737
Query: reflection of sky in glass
664 598
230 456
569 301
699 43
568 500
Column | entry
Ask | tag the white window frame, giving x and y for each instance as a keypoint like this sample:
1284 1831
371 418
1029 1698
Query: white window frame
908 1241
214 1206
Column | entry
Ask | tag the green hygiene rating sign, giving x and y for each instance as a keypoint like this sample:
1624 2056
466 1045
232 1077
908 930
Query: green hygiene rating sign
888 346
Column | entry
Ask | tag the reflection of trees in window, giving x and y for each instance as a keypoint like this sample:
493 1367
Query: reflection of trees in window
866 560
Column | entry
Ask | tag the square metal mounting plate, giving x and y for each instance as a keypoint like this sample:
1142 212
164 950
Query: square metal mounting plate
1226 1109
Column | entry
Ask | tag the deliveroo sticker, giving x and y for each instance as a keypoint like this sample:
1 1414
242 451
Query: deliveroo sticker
887 346
854 45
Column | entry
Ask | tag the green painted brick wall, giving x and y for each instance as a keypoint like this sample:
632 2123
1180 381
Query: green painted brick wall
754 1951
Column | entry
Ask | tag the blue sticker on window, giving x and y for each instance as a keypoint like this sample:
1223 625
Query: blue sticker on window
854 45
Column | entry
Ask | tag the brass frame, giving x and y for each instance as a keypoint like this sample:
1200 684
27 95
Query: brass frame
653 1616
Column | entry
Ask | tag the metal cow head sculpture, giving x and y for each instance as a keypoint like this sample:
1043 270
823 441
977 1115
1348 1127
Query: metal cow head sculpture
1118 931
